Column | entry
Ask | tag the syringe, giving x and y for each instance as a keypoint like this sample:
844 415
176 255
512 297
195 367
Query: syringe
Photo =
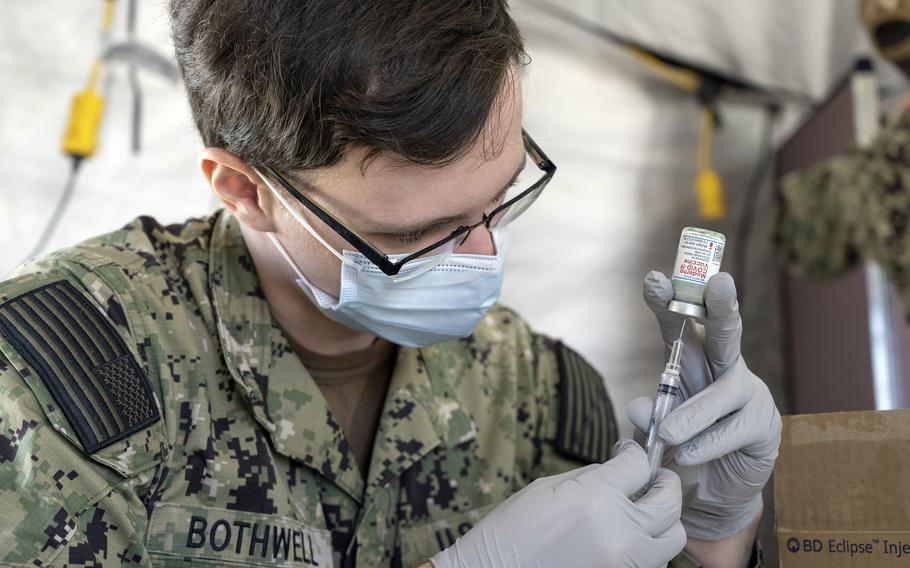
667 395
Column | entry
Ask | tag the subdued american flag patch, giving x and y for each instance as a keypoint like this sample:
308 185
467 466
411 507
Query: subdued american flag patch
83 362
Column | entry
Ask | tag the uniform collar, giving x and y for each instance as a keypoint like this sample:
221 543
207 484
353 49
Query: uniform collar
419 414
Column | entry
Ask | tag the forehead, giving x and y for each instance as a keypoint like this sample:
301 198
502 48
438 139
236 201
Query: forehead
391 191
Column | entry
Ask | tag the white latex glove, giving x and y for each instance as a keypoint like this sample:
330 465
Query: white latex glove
580 518
723 467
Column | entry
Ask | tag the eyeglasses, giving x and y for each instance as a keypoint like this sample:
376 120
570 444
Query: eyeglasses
403 266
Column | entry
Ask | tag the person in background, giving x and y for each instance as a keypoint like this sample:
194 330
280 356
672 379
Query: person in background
855 206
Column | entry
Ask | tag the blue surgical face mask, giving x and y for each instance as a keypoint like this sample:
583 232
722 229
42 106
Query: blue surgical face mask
442 303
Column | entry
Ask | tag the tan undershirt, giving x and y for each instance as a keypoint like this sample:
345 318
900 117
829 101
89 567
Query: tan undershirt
355 385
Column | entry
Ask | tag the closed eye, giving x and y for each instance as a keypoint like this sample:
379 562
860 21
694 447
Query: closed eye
500 197
406 239
417 235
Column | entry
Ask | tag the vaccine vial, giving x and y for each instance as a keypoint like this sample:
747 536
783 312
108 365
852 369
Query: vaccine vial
697 259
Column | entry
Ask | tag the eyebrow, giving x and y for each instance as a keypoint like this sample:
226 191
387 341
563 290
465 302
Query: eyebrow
425 226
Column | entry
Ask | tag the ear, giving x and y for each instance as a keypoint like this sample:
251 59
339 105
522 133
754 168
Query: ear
237 186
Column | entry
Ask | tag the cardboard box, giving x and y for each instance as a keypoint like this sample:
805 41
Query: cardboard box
842 490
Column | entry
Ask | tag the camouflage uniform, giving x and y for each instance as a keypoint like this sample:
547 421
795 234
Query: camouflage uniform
850 208
152 413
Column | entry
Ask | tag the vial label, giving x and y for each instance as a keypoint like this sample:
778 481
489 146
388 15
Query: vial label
698 258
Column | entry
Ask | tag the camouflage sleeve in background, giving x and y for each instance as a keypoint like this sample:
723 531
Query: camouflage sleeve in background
851 208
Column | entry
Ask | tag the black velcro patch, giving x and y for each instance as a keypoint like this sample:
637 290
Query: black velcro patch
82 360
587 426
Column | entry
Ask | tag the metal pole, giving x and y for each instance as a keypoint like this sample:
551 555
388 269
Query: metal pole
886 371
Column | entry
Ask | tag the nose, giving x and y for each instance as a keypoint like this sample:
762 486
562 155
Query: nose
479 241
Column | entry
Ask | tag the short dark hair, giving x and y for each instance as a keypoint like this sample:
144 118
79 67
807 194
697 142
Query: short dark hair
294 84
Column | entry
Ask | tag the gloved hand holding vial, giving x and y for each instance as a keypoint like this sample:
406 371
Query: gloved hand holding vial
698 258
724 432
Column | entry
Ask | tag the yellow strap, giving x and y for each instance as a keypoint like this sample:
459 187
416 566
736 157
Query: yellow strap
107 20
107 15
705 137
680 78
92 84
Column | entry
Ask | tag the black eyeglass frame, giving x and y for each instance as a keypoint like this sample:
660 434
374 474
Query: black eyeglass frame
380 259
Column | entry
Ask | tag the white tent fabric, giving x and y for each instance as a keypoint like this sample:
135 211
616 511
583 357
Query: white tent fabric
794 45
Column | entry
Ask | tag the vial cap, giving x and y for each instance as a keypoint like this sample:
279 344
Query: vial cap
687 309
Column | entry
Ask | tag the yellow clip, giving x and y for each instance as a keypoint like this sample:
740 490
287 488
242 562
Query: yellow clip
81 135
710 193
